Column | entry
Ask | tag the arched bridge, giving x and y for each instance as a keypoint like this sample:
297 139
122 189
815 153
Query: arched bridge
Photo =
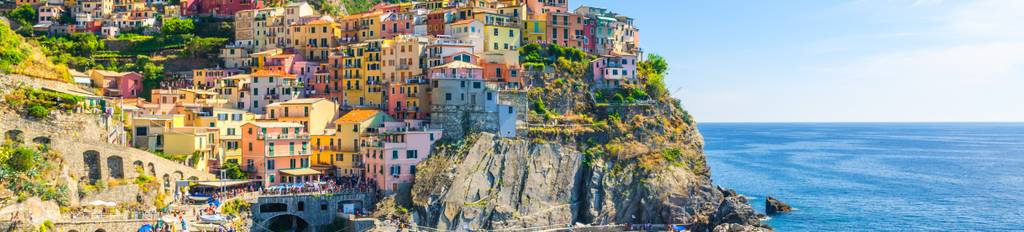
312 209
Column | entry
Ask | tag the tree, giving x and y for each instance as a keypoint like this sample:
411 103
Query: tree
24 15
67 18
233 171
174 26
654 68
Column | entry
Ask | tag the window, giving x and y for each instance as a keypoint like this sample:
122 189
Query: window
394 154
141 131
411 154
495 31
412 169
489 97
476 85
270 166
447 96
396 170
291 163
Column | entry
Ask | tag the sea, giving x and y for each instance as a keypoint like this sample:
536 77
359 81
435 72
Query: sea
875 176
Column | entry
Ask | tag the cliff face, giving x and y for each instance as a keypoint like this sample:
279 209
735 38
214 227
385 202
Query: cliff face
513 183
629 155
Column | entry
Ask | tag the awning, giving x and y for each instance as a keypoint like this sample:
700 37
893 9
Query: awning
300 172
226 183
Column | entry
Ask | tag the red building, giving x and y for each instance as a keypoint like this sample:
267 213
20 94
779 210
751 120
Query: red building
436 21
219 8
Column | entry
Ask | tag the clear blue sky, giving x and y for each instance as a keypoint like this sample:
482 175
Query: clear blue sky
846 61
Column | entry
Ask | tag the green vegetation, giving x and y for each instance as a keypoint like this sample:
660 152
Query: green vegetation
38 103
194 159
235 207
26 170
233 171
174 26
21 57
23 16
181 158
655 68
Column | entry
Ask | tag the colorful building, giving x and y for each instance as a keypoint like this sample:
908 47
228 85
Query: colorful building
200 144
117 84
391 150
614 71
350 128
267 87
277 153
218 8
314 37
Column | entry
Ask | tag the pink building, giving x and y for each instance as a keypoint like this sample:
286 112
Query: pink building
614 71
117 84
392 150
393 24
220 8
277 153
304 71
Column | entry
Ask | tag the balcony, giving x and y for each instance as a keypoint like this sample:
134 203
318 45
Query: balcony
262 136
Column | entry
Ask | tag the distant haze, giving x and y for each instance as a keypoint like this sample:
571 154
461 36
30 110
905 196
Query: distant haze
838 61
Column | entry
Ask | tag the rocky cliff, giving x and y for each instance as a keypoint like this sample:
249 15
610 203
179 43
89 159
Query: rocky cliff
580 160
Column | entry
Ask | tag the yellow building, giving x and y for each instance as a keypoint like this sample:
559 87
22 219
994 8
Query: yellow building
198 143
361 73
350 128
229 123
401 58
315 38
324 150
534 31
313 113
501 32
365 25
229 89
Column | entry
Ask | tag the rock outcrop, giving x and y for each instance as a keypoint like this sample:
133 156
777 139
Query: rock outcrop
774 206
579 160
495 183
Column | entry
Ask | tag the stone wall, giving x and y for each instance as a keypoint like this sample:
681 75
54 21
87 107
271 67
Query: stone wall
316 210
81 138
102 226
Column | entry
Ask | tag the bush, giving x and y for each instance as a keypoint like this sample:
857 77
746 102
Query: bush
38 111
173 26
22 159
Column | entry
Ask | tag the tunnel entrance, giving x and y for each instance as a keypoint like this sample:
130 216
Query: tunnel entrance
287 223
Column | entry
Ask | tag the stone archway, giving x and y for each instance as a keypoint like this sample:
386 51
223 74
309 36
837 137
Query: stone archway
167 180
152 169
286 222
92 164
193 178
100 230
115 166
178 175
15 135
42 140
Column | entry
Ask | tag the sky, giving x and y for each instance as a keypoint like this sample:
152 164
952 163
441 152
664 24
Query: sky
837 61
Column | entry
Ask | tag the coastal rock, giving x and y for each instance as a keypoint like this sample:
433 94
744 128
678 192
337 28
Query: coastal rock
499 183
731 227
774 206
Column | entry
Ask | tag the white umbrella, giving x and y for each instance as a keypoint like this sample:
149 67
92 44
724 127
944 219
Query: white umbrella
102 203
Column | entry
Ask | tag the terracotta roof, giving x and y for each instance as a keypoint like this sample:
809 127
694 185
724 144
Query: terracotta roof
357 115
270 72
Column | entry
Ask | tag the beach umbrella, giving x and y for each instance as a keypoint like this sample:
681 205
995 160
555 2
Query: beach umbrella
146 228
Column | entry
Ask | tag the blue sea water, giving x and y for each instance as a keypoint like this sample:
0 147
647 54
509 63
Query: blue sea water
876 176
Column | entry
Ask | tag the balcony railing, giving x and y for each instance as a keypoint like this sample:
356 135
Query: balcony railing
262 136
